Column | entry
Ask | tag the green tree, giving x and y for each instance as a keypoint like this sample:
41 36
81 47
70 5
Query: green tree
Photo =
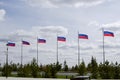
82 69
51 70
116 71
65 66
0 67
58 66
13 66
47 71
6 70
76 68
105 70
24 71
93 68
34 68
72 69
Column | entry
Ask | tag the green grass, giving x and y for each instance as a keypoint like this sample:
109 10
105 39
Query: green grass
64 77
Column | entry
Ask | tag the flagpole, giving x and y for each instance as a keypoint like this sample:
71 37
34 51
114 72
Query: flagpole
103 47
7 63
21 53
57 48
78 50
37 50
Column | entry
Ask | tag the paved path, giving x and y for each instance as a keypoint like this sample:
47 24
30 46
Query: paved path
17 78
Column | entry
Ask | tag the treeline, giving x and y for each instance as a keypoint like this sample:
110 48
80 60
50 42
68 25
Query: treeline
105 70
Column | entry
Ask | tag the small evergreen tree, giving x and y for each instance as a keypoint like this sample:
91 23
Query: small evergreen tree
34 68
116 71
6 70
105 70
65 66
94 68
52 69
82 69
76 68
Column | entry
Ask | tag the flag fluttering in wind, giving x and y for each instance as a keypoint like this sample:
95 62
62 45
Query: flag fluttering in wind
41 41
12 44
82 36
62 39
108 33
25 43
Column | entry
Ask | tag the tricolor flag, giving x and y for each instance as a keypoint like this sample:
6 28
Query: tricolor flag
82 36
12 44
62 39
108 33
41 41
25 43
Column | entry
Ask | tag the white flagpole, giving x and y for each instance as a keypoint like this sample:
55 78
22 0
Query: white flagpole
78 50
37 50
21 53
103 47
57 48
7 63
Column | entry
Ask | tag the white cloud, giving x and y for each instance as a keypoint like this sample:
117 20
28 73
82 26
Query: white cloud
50 30
40 31
115 26
2 14
95 23
64 3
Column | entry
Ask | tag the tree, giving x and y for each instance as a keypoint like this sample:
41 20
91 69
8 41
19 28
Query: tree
116 71
34 68
13 66
93 68
72 69
24 71
6 71
105 70
0 67
76 68
52 69
58 66
65 66
82 68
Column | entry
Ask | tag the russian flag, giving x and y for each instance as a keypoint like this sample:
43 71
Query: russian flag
82 36
41 41
62 39
25 43
12 44
108 33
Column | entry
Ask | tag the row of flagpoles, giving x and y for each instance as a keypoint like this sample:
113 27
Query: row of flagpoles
59 39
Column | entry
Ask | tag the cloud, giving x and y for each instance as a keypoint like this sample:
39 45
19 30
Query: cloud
2 14
40 31
95 23
41 51
110 46
64 3
51 30
4 40
115 26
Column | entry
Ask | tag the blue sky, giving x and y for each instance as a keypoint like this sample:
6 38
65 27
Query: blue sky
27 19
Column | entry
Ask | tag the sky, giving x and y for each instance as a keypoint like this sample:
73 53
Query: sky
47 19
